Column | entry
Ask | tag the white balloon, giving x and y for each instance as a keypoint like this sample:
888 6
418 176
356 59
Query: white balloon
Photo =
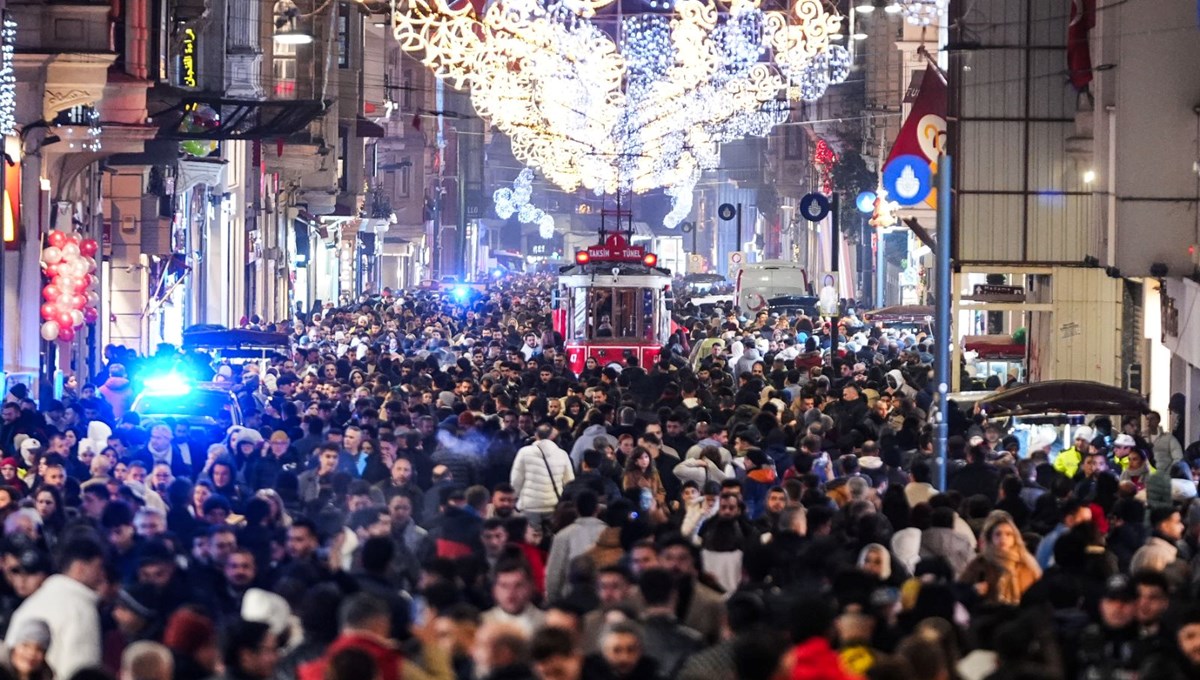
50 331
52 255
76 318
93 298
70 251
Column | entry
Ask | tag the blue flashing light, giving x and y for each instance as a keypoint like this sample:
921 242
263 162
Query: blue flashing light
497 273
461 292
169 385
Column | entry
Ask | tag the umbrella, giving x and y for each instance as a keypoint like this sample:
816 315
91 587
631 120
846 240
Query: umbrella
901 314
1064 396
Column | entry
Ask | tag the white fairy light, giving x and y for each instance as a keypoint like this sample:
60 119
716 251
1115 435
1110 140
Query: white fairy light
641 110
8 78
923 12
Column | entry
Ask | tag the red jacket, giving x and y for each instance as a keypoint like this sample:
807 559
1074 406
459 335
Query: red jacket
387 659
816 660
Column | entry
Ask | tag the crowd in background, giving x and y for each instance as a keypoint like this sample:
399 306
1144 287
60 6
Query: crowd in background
421 488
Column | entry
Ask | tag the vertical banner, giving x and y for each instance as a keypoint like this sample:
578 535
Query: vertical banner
923 132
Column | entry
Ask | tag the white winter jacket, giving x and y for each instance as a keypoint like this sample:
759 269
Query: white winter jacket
531 477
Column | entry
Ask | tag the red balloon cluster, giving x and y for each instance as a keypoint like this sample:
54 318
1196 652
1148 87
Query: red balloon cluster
70 298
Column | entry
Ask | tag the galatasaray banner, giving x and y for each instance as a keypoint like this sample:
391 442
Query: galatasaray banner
923 132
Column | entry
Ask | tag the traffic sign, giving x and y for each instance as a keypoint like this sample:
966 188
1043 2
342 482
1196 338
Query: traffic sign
908 179
727 211
814 207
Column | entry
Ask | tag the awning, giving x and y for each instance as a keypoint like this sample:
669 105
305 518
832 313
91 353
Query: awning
994 347
237 119
1064 396
365 129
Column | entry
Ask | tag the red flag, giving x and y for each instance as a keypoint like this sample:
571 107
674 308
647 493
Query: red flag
923 132
1079 58
416 122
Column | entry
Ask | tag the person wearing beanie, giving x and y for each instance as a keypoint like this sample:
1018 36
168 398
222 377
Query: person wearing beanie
1068 460
192 639
25 656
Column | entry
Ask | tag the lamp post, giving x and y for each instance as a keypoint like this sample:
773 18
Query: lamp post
941 329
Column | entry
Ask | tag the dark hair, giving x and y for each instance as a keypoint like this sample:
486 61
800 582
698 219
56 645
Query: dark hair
82 548
656 586
921 472
1160 514
377 554
351 664
586 503
242 635
116 514
549 643
360 609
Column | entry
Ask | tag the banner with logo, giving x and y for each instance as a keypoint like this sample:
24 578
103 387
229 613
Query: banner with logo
924 131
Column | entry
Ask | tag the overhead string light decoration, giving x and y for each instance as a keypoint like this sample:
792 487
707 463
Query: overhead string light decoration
8 78
638 105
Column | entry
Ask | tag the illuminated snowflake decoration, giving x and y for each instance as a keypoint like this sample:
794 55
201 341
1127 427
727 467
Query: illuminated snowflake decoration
515 201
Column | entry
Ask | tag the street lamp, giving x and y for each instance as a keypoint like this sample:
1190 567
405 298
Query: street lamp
286 30
865 7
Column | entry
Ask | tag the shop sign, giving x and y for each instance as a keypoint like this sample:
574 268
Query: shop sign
986 292
187 61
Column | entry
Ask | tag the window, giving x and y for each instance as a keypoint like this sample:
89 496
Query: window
342 152
793 142
404 184
406 99
614 313
283 55
343 35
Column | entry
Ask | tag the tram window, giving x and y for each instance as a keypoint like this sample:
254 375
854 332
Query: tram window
600 313
579 314
648 316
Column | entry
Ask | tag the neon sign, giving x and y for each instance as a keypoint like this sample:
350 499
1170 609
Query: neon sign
187 68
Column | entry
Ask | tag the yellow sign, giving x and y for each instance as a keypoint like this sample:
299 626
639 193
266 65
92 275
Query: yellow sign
187 65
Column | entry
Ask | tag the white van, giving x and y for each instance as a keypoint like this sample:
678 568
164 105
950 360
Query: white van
760 281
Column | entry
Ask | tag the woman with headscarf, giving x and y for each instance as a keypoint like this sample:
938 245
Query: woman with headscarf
1004 569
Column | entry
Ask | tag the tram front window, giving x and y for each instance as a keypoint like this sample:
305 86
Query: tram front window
617 313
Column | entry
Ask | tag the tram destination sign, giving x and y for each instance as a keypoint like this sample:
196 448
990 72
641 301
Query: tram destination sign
615 249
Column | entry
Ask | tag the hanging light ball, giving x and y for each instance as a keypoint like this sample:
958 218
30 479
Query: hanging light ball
923 12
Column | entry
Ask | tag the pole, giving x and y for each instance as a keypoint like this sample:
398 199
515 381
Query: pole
834 257
739 227
880 269
942 333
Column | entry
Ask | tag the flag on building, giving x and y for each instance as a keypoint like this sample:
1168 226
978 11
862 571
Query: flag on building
1079 57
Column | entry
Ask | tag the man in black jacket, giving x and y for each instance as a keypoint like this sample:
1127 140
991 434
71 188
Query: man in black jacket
977 477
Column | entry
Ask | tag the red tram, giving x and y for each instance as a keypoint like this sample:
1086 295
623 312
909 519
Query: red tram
612 304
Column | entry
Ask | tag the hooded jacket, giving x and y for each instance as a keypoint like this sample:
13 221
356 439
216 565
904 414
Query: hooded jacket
895 380
118 392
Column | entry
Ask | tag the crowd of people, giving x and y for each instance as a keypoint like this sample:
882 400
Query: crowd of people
422 488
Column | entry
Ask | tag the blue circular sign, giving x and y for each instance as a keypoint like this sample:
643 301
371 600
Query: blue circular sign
814 207
908 179
865 201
